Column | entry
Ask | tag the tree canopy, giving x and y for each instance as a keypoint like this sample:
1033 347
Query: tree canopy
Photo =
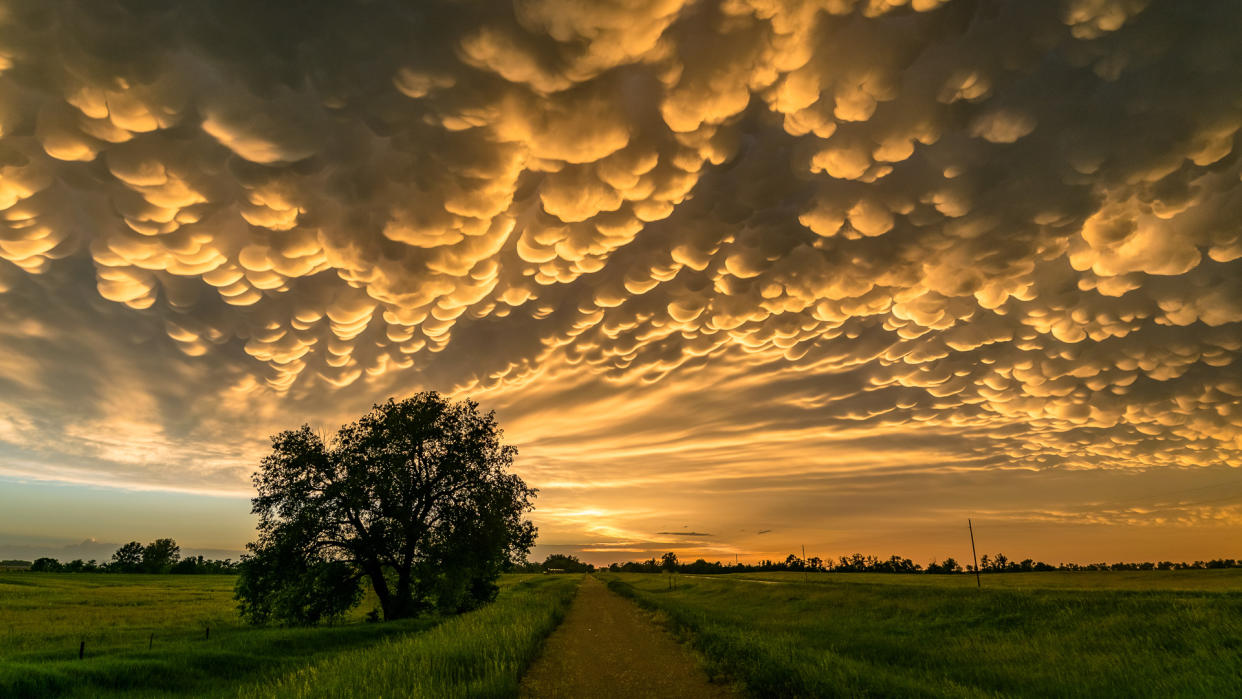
128 558
160 556
416 499
565 563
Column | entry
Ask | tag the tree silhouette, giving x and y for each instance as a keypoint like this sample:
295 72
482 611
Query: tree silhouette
566 563
668 561
160 555
415 498
46 565
128 558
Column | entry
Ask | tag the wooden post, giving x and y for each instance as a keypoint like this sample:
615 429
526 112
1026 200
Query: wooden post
82 649
208 636
150 641
971 527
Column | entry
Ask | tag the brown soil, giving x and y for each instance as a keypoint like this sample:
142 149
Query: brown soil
606 647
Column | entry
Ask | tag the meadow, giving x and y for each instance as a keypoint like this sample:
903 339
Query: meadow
1134 633
480 655
180 635
1224 580
1148 633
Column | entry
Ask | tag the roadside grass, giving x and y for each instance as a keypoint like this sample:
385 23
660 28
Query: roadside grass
888 639
480 654
43 618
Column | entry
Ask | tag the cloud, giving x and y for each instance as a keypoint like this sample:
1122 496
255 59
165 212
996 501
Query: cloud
87 550
1004 238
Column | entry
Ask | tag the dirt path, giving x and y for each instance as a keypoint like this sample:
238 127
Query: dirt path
605 647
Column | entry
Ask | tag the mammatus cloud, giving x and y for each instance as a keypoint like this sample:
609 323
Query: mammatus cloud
998 235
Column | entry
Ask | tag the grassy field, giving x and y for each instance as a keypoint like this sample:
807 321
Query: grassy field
1225 580
44 617
1045 634
478 655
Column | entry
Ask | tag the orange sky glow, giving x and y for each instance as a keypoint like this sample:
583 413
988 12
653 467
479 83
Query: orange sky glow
737 277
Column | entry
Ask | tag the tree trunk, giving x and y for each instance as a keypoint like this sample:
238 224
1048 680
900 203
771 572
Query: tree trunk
402 600
376 574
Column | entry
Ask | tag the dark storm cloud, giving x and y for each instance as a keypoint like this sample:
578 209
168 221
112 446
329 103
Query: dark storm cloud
963 235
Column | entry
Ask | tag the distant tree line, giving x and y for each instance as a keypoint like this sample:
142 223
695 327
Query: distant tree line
158 557
556 563
858 563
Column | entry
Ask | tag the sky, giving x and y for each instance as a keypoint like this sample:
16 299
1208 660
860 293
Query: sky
737 277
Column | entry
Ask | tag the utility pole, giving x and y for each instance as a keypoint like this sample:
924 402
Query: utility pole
971 527
806 574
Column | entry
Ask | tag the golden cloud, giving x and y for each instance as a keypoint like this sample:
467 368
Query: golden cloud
1018 227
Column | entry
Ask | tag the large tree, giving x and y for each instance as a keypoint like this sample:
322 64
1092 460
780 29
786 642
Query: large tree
160 556
415 498
128 558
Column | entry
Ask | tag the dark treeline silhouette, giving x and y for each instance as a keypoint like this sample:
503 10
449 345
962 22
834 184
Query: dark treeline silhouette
858 563
158 557
556 563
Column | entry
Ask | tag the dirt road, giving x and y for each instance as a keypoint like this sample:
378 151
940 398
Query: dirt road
605 647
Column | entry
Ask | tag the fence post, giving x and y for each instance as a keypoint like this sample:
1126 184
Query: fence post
82 649
971 527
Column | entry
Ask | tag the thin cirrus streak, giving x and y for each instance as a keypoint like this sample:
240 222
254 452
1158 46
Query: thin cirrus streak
767 246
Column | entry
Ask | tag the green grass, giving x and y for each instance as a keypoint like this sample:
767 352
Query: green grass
43 617
480 654
1224 580
1101 634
